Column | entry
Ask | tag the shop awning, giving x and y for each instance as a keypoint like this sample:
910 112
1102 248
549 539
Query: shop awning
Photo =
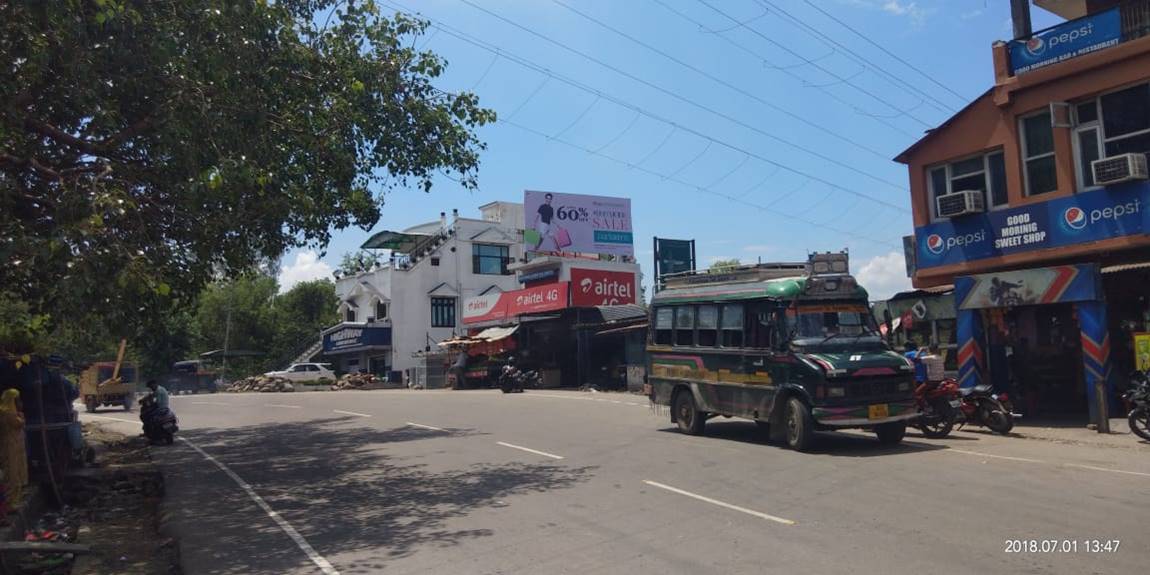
621 330
496 333
388 240
1125 267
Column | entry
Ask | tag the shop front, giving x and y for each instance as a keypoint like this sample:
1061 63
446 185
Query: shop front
359 348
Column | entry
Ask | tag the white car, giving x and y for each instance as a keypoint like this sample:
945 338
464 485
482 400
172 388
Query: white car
305 372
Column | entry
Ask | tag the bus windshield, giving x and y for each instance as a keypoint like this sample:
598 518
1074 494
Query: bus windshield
821 321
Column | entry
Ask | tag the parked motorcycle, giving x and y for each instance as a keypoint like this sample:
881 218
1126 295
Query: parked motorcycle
944 403
160 424
513 380
1138 396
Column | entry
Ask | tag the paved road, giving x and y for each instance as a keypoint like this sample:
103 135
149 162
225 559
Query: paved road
567 482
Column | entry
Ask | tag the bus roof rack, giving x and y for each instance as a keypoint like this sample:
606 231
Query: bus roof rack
817 264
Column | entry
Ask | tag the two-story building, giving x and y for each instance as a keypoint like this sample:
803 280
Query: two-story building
1033 202
413 301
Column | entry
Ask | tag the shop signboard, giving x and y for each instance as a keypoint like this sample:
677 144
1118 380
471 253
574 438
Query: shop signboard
484 307
591 288
539 276
1065 41
1111 212
354 338
1142 351
1037 286
577 223
674 256
506 305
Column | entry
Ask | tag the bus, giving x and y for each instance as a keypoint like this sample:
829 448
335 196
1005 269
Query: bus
792 346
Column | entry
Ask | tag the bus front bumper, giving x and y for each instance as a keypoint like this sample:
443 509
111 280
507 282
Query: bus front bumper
865 415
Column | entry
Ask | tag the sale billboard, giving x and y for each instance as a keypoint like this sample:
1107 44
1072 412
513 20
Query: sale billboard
577 223
598 287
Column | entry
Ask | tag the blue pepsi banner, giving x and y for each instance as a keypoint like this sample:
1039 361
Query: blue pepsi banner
1065 41
1111 212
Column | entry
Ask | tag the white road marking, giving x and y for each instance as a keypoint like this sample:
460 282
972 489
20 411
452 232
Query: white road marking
980 454
529 450
211 403
300 542
425 426
351 413
282 405
556 396
1108 470
758 514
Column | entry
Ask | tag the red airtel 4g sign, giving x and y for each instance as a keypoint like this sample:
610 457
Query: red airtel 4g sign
599 287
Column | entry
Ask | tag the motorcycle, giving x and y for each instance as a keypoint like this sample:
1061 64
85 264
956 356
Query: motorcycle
1138 396
512 380
160 424
944 403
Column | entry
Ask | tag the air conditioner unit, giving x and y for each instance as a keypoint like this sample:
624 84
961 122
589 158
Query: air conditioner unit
961 204
1118 169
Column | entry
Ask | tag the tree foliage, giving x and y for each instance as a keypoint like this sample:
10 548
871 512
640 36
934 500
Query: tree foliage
149 147
358 261
724 265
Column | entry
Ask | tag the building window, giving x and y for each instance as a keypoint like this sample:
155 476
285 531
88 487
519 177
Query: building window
435 261
664 325
349 315
490 259
380 310
1126 120
1038 154
685 325
731 324
442 312
708 324
985 173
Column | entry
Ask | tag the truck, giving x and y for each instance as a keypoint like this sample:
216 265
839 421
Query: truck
792 346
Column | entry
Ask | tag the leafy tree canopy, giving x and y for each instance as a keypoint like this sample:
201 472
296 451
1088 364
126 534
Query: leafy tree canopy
360 261
148 147
724 265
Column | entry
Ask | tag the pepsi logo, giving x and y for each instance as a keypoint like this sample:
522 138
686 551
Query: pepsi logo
1074 217
1035 46
935 244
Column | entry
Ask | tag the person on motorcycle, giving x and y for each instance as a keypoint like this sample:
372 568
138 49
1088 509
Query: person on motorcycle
913 353
153 408
159 392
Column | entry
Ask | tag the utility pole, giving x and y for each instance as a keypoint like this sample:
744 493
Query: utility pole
227 337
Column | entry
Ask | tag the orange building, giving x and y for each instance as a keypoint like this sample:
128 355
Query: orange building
1033 201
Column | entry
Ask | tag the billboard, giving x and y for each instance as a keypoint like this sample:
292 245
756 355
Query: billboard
1065 41
506 305
674 256
591 288
1037 286
577 223
1111 212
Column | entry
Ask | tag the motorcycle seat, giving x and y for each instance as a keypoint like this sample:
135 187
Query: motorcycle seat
980 389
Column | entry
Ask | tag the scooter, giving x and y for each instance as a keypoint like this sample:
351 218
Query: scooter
160 424
1138 396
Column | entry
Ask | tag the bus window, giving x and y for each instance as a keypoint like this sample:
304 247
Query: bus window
761 330
685 325
708 322
731 325
664 318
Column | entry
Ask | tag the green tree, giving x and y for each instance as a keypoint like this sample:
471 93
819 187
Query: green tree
147 148
239 315
301 313
359 261
724 265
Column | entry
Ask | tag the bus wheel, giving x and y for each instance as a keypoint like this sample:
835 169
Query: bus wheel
689 418
799 427
890 433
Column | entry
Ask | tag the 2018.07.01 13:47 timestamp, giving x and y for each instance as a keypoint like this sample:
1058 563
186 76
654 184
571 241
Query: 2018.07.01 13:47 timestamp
1061 545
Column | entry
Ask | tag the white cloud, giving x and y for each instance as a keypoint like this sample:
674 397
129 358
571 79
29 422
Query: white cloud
908 9
884 276
307 266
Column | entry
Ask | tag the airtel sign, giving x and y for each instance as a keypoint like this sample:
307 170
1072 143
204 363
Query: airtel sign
598 287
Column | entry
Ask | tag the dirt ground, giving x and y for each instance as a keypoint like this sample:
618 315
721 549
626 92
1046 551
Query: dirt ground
114 507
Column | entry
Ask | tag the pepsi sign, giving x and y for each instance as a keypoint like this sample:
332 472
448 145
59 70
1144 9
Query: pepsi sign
1087 217
1065 41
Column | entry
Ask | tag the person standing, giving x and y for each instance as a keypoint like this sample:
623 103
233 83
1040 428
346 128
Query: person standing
13 454
542 223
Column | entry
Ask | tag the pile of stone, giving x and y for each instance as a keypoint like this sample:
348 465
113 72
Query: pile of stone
261 383
356 381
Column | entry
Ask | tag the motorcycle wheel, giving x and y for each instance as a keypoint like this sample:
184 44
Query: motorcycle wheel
996 418
937 425
1139 420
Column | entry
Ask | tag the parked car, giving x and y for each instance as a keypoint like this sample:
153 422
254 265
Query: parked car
305 372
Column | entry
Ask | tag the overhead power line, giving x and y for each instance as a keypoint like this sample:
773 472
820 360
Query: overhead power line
961 98
676 126
858 59
675 95
816 65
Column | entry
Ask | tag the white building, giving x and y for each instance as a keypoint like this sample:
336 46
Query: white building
413 302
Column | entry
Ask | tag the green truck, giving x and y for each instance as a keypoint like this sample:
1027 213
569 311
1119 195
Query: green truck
792 346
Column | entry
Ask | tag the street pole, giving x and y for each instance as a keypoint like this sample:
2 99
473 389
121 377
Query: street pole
1103 406
227 336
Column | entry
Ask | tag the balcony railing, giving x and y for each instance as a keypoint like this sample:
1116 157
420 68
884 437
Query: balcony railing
1135 19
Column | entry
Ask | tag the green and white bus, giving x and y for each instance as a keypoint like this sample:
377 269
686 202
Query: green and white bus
791 346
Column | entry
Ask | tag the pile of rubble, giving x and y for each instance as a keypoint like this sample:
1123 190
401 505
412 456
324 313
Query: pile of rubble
356 381
261 383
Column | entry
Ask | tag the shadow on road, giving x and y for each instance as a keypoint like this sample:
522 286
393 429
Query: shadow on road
826 443
341 489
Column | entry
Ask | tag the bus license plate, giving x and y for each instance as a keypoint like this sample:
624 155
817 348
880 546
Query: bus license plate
880 411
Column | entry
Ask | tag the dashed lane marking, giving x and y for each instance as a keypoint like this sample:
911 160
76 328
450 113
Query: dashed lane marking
351 413
723 504
283 406
422 426
529 450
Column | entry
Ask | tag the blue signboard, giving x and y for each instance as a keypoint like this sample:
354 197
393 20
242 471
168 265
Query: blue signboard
355 338
1037 286
1065 41
1111 212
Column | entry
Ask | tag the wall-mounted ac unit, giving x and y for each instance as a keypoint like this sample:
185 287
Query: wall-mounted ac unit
961 204
1118 169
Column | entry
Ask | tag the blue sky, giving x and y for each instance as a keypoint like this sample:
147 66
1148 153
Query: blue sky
760 128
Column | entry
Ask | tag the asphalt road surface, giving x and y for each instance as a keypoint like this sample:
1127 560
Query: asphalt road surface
567 482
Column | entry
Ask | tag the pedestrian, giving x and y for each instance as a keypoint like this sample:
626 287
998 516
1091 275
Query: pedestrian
13 454
914 354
